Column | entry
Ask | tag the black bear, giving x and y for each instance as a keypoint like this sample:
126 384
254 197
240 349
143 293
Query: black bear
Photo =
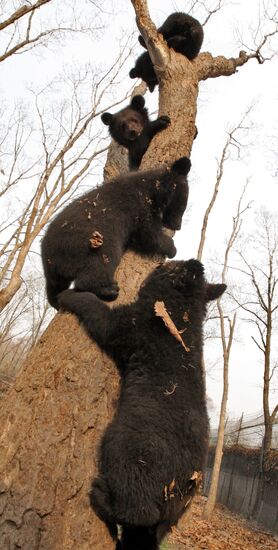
155 447
132 128
85 242
183 33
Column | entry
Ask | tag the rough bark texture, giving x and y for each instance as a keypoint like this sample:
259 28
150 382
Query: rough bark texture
53 417
51 422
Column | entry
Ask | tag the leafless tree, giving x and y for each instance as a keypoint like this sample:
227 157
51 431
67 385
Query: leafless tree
67 140
37 23
52 418
227 329
232 142
20 326
260 304
226 323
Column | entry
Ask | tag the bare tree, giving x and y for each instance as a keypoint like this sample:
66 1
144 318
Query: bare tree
29 25
66 149
52 418
227 328
232 141
260 266
226 324
20 326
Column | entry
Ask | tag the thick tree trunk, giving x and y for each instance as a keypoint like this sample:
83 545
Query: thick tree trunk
53 417
51 422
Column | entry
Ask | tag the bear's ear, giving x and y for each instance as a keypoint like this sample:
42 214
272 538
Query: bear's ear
107 118
133 73
182 166
151 87
142 41
137 102
213 292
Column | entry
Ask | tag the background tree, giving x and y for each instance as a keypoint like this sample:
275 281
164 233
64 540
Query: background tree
260 304
227 322
52 418
62 158
34 24
227 328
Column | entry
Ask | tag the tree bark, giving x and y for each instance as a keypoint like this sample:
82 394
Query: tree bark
52 419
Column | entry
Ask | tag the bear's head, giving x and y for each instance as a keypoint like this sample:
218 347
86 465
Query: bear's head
126 125
186 277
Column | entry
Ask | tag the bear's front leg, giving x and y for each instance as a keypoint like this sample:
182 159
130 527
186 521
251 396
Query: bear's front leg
158 125
90 310
166 245
160 243
172 216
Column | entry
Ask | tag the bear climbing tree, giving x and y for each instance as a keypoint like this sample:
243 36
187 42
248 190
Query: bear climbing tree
85 242
136 453
52 418
132 128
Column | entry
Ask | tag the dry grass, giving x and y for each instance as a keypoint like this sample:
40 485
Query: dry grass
226 531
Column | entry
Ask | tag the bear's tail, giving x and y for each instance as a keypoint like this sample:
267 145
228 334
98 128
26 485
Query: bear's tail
182 166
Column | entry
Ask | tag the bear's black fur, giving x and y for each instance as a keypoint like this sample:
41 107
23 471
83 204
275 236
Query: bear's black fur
86 241
144 69
132 128
183 33
159 435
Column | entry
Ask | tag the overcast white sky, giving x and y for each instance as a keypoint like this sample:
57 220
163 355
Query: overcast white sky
222 102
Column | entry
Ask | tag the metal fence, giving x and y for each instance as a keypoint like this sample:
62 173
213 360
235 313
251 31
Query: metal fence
243 488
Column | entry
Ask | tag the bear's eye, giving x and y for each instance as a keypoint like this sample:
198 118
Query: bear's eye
123 126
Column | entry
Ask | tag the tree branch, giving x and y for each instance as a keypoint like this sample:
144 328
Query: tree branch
157 47
23 10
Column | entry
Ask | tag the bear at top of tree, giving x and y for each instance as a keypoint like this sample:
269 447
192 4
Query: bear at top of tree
156 445
132 128
183 33
85 242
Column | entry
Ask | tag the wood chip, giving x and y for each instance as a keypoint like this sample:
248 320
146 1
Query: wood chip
196 476
168 492
96 240
161 311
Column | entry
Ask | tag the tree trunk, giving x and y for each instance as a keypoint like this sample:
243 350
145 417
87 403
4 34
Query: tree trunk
51 423
52 419
267 417
210 504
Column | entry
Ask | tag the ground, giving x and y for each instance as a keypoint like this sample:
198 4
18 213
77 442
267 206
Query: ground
226 531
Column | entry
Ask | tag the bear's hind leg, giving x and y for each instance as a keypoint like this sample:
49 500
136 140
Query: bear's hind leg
97 279
100 502
53 288
138 538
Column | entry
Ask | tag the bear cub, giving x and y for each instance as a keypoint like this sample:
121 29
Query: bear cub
85 242
183 33
156 445
132 128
